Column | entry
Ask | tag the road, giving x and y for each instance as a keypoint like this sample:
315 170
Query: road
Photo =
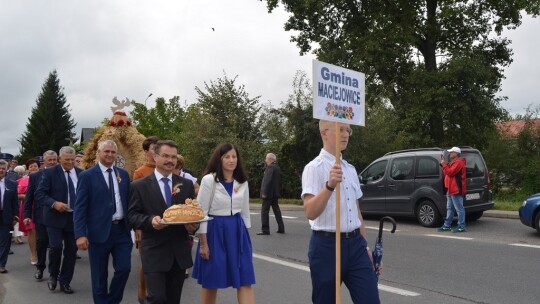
496 261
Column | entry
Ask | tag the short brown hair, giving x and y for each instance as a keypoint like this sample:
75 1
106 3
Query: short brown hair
149 141
161 143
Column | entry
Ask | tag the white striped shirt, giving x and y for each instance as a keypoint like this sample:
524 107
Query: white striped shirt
314 178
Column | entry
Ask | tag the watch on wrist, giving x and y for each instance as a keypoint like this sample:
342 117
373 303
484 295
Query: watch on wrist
328 187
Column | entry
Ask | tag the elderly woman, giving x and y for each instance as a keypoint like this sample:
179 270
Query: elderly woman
32 166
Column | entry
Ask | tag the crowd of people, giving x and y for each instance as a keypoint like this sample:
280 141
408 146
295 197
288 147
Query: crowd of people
64 208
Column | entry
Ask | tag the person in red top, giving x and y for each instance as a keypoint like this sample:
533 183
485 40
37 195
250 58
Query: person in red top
455 184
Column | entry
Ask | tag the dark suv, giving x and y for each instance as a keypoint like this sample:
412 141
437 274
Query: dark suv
411 183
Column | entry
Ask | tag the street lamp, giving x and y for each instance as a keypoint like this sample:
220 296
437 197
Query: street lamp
147 99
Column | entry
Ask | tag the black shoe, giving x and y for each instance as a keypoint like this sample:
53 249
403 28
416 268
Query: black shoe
51 283
78 257
281 231
66 288
263 233
11 252
38 274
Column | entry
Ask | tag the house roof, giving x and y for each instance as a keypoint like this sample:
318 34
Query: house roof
512 128
86 134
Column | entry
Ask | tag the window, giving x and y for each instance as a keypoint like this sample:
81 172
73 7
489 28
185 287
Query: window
374 172
427 167
475 165
402 168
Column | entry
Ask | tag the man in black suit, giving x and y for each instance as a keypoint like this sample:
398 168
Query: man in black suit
33 212
56 194
9 210
270 193
166 253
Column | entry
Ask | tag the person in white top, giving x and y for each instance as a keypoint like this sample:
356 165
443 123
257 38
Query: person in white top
224 195
319 180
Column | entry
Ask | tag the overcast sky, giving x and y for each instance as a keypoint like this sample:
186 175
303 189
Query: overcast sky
103 49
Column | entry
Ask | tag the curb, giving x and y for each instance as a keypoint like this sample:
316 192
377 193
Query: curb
488 213
502 214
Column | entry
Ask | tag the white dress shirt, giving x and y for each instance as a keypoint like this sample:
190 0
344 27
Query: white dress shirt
119 214
314 178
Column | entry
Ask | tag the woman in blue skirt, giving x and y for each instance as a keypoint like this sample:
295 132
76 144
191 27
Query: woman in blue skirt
224 255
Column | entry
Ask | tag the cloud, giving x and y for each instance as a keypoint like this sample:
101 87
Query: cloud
130 49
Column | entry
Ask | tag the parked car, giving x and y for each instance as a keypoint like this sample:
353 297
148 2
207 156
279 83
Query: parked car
529 212
411 183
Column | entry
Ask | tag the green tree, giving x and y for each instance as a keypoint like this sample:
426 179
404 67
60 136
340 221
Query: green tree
292 134
439 64
224 112
50 125
164 120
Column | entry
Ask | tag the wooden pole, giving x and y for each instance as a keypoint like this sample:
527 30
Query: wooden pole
338 219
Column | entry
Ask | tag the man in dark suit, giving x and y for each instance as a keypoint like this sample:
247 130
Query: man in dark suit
270 193
56 193
33 212
11 174
9 209
166 253
101 226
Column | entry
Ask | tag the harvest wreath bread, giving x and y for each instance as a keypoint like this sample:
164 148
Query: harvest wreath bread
190 211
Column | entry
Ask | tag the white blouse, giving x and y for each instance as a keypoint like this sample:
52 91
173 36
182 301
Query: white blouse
223 204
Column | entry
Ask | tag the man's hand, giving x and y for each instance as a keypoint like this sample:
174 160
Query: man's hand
443 161
335 176
61 207
15 221
138 235
156 223
82 243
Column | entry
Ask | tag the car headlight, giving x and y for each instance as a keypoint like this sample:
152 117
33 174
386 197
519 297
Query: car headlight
524 203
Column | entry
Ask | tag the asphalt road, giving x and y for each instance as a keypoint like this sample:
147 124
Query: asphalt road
496 261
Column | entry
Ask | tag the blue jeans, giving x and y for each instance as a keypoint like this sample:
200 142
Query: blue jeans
454 202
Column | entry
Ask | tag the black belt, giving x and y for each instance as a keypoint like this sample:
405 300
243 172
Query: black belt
115 222
344 235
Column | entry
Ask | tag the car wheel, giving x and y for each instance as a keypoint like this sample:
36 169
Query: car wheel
537 221
427 214
473 216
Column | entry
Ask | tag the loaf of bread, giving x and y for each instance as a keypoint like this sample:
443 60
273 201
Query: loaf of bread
188 212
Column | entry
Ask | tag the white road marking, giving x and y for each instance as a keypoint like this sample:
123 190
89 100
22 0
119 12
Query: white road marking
283 216
377 228
526 245
394 290
450 237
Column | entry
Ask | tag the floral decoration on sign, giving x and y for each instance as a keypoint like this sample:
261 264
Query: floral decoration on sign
176 189
339 111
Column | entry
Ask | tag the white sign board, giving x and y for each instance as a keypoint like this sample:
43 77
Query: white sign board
338 94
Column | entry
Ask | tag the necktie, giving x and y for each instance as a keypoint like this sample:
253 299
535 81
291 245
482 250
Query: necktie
111 189
71 190
167 188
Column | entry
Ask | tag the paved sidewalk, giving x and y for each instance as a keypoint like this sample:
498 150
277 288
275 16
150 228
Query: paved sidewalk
489 213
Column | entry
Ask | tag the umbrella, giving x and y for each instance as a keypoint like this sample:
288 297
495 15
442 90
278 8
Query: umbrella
378 250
